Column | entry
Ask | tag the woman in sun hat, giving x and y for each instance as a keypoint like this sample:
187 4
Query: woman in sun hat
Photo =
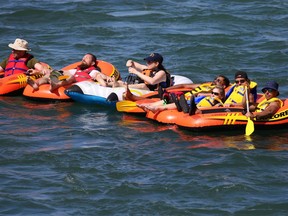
269 106
20 61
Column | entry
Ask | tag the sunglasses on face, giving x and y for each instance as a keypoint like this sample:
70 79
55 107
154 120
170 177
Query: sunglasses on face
268 90
217 80
215 93
240 81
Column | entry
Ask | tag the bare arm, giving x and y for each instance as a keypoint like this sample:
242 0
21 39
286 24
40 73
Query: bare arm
272 108
136 65
188 86
39 69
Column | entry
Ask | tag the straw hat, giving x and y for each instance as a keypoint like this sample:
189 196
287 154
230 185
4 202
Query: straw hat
19 44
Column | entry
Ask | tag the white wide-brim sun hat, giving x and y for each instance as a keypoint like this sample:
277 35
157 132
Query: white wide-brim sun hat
20 44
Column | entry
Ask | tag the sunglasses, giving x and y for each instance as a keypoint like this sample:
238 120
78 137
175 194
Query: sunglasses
217 80
215 93
268 90
240 81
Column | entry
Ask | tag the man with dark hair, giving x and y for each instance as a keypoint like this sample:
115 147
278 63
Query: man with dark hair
86 70
237 92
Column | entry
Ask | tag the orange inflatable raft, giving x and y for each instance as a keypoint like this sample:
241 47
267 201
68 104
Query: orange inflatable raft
15 84
128 106
58 94
220 118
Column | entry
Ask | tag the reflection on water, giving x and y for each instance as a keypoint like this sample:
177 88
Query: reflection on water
237 140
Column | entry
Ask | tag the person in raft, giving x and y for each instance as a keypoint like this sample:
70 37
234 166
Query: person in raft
216 99
150 76
237 91
267 107
201 90
20 61
206 87
86 70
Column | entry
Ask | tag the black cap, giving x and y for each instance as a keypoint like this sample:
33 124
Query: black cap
154 57
241 74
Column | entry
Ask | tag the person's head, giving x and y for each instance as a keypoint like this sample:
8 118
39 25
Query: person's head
218 92
19 48
241 78
154 60
222 81
88 60
271 90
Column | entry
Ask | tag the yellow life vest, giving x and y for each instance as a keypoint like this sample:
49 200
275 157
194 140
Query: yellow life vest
238 93
262 106
203 88
209 102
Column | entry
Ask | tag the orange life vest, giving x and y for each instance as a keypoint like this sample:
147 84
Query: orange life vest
17 66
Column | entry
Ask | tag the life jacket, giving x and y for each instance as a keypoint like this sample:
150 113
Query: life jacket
209 102
238 92
151 73
81 75
263 104
204 88
17 66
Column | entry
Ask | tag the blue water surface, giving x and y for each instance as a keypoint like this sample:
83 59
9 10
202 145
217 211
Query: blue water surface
76 159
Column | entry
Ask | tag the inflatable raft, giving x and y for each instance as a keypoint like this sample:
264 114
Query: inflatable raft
15 84
92 93
220 118
128 106
58 94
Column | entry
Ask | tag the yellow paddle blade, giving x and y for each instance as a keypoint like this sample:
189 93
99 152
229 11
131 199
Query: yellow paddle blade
63 77
249 127
125 105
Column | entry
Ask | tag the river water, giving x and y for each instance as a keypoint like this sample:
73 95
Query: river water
76 159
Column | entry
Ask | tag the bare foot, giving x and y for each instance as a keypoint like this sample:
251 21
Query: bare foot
148 107
54 86
32 83
128 94
154 109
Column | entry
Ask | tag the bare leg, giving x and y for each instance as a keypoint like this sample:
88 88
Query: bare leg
55 85
116 83
129 96
43 80
32 83
101 80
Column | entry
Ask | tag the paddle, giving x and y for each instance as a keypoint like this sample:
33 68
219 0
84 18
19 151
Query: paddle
250 124
125 105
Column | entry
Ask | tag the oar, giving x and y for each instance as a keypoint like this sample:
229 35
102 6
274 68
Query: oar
125 105
250 124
